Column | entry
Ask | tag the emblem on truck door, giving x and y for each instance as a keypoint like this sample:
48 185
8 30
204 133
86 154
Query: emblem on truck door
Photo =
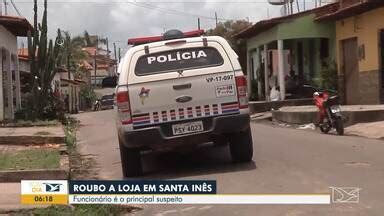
180 72
183 99
144 93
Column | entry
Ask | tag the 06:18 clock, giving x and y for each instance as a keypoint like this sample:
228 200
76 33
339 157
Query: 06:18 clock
43 198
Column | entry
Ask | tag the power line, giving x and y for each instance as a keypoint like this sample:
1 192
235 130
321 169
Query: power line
179 2
5 7
16 9
149 5
173 11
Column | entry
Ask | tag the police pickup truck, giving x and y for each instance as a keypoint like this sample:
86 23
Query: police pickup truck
181 92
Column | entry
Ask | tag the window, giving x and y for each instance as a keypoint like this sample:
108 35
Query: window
179 59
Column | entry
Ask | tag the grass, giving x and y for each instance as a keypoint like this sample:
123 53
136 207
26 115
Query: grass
76 210
28 123
30 159
80 169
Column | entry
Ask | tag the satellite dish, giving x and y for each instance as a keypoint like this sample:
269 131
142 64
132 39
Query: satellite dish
277 2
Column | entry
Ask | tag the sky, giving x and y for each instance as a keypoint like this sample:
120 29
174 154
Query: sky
122 19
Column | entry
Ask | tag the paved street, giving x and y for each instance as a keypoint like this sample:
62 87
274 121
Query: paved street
286 161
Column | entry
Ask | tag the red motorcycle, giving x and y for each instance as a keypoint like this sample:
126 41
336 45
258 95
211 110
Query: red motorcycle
329 112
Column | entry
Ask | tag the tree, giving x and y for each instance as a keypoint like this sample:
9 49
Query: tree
45 58
92 41
227 30
88 41
72 53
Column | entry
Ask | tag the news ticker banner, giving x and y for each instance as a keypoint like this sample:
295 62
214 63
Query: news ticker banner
153 192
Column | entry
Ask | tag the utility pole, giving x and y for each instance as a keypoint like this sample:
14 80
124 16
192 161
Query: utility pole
216 18
107 46
288 10
119 54
5 7
297 5
68 62
304 5
198 23
114 52
16 9
94 60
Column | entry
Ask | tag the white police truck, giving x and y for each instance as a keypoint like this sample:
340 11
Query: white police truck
181 92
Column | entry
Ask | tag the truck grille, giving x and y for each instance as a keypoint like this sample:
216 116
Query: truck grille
180 114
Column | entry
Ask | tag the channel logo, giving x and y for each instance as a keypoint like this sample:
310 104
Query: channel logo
52 187
44 192
44 186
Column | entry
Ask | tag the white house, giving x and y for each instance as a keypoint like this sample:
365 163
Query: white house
10 99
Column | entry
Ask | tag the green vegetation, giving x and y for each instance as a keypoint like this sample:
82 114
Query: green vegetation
29 123
228 30
327 78
70 128
88 94
77 210
44 60
30 159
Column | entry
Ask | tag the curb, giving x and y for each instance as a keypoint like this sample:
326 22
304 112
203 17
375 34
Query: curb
262 106
35 140
350 117
40 174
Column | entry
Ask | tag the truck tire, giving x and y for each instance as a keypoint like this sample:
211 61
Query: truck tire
130 161
241 146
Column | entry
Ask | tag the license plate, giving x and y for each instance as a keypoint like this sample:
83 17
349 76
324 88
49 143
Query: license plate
186 128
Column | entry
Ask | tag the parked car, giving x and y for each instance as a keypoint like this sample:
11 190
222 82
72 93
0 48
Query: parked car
107 102
181 92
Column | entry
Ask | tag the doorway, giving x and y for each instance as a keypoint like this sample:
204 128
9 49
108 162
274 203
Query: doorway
300 62
381 70
350 70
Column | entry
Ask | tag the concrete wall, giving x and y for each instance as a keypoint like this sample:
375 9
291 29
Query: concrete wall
24 66
301 27
8 40
8 47
262 38
304 29
365 27
73 92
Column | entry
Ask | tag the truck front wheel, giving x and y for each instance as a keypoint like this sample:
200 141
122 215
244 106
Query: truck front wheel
241 146
130 161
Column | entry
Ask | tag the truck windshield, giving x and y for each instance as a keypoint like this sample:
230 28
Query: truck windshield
178 59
